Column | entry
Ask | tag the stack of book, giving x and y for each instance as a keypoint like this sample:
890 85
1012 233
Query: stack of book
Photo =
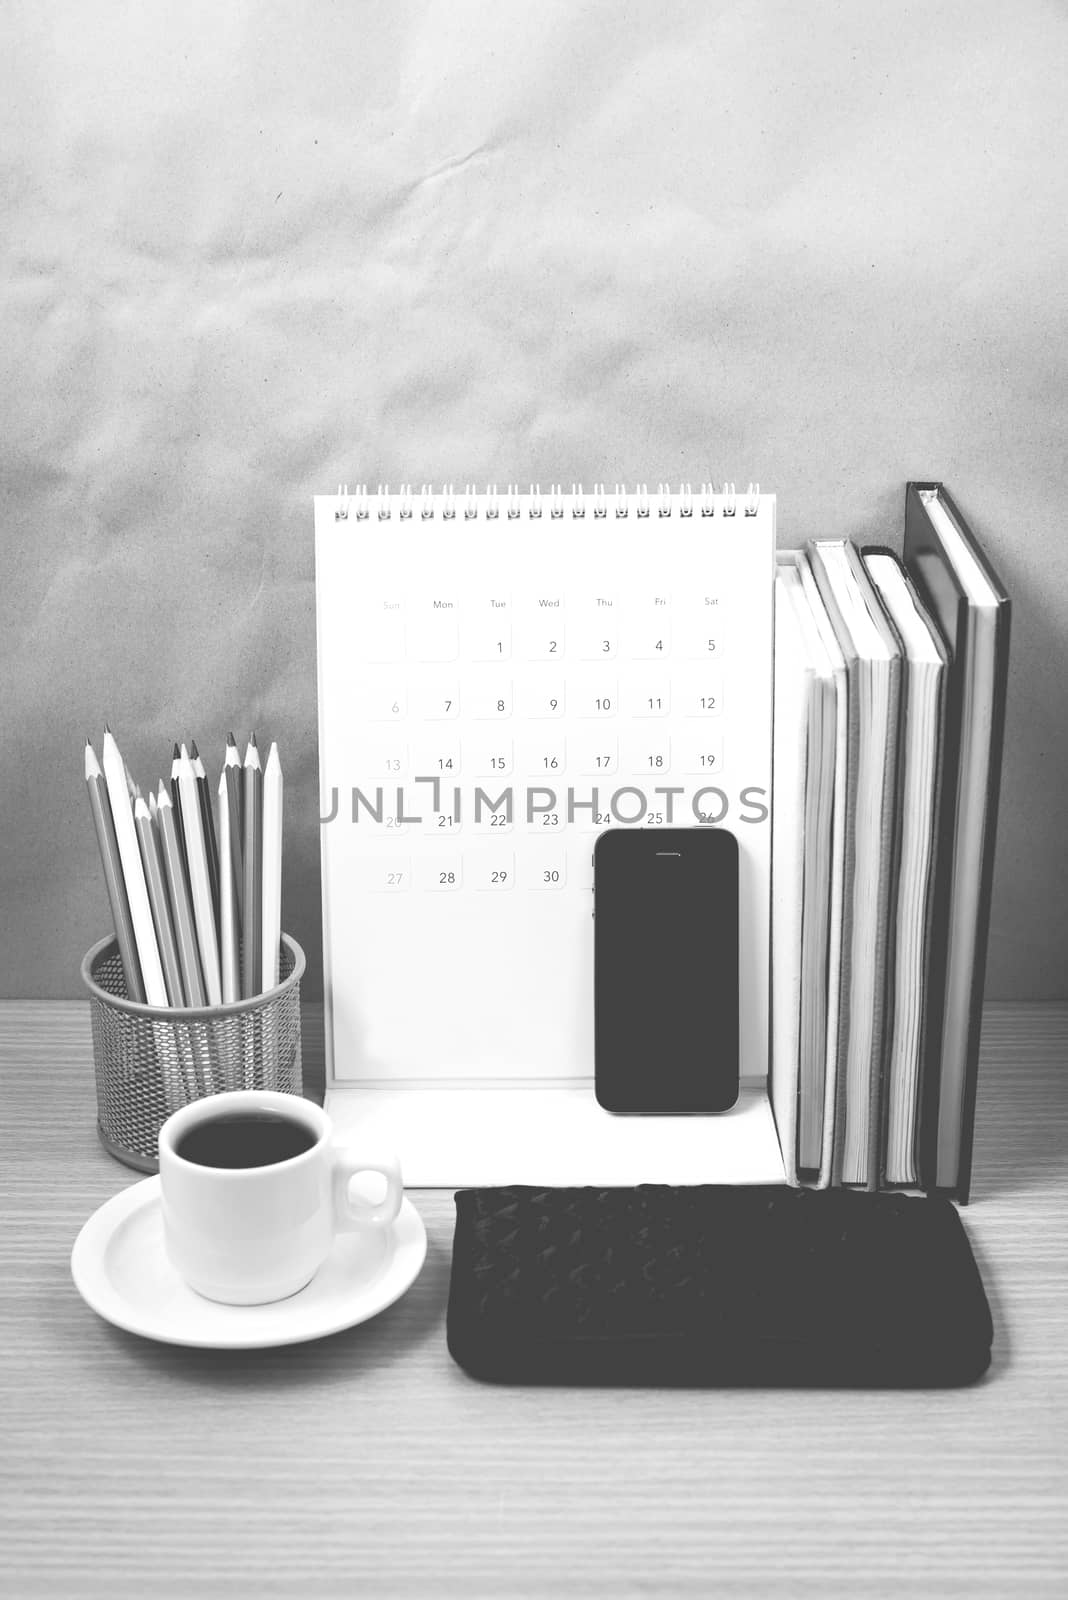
890 679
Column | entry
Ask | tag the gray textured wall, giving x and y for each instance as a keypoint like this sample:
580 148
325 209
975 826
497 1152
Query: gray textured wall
250 250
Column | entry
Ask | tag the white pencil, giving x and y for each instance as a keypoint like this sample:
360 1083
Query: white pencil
228 937
252 859
232 774
199 882
133 872
272 868
113 877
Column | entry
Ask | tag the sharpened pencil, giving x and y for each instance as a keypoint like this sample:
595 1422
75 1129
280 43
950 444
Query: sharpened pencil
157 898
133 873
232 774
181 906
113 878
251 945
199 882
207 822
271 915
176 798
228 933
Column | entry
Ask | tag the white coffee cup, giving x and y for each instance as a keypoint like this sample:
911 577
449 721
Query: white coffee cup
247 1235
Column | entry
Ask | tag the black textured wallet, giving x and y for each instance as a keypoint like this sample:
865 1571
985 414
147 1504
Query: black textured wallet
715 1285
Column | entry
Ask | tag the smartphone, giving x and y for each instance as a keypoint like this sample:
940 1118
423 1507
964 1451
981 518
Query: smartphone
666 970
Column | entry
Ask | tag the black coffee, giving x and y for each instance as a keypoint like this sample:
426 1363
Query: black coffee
245 1139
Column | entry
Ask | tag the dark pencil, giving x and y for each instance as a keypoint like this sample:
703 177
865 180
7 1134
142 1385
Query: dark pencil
207 822
253 865
181 906
176 798
148 839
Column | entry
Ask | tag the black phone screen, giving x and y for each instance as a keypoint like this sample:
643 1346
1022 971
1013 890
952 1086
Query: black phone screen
666 969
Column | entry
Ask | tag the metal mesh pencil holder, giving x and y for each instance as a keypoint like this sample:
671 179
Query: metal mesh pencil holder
150 1061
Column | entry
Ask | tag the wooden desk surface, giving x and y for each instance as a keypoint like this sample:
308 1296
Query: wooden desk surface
367 1464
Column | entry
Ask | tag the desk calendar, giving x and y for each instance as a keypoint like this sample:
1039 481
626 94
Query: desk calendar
501 678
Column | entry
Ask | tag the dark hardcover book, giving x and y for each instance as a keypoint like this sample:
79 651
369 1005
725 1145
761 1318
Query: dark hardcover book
969 603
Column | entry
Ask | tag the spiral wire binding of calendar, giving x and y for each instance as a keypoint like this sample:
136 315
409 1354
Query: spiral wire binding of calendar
427 504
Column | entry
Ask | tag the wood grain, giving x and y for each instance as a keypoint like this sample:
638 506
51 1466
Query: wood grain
368 1464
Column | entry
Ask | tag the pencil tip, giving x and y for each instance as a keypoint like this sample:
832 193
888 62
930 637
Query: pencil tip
177 752
107 728
252 739
193 751
231 740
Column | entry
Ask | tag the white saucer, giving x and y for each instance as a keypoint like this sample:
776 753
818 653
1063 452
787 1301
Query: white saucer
120 1268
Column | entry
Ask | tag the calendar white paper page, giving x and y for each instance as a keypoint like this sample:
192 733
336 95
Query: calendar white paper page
494 691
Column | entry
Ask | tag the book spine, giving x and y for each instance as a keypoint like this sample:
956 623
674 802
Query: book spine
927 566
950 611
986 883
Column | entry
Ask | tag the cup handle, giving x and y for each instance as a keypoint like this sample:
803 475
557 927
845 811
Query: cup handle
350 1211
